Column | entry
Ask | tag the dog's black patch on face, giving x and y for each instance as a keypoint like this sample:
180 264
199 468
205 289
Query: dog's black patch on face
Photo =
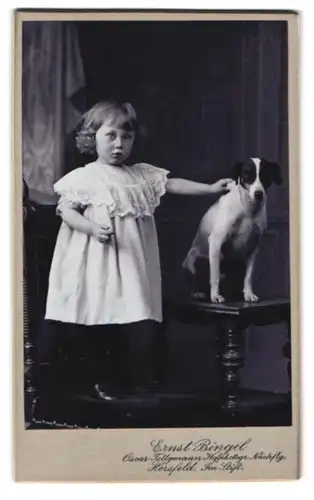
245 172
269 172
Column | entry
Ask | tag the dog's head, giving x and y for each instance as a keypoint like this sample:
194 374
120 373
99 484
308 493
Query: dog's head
256 175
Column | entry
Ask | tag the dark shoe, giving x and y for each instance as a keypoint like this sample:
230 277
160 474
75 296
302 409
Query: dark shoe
104 395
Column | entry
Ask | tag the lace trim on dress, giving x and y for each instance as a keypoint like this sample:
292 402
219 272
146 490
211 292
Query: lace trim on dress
139 199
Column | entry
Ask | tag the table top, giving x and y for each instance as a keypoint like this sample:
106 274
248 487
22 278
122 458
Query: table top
266 307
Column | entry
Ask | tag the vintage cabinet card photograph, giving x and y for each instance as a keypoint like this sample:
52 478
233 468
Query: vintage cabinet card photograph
156 169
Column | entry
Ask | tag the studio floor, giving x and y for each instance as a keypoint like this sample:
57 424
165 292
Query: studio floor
159 409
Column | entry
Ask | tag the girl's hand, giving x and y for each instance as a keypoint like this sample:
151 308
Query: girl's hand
102 233
222 186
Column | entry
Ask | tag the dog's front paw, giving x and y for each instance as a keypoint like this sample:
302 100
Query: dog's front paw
249 296
216 298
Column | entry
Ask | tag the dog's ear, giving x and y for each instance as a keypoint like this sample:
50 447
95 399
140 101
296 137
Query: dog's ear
236 171
275 171
277 177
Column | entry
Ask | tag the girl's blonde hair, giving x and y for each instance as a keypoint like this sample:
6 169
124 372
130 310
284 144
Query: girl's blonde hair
122 115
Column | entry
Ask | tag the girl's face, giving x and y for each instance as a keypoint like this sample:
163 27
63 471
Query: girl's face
113 143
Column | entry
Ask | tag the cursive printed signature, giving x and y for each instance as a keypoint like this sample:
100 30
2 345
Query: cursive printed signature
204 455
201 445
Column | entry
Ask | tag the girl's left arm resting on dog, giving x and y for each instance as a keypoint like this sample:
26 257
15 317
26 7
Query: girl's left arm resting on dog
184 186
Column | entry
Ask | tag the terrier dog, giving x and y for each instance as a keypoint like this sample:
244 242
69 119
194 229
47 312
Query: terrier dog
230 233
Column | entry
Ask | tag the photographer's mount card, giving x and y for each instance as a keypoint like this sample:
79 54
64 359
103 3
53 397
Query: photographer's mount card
156 168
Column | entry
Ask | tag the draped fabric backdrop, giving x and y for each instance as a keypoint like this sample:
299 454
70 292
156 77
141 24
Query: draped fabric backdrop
263 113
52 76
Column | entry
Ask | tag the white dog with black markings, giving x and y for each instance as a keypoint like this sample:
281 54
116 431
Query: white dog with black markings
231 230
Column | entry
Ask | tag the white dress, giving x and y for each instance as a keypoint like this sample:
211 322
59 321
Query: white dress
95 283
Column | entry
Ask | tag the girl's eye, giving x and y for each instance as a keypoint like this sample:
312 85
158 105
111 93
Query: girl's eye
111 135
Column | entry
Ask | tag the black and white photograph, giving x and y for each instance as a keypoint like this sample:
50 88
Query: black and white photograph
156 155
155 165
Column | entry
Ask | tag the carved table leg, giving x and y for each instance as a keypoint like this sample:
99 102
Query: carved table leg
231 358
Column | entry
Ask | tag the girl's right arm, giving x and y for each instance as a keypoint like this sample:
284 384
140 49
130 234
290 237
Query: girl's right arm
77 221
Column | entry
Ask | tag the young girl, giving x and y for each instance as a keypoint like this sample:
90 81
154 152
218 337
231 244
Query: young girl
105 269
